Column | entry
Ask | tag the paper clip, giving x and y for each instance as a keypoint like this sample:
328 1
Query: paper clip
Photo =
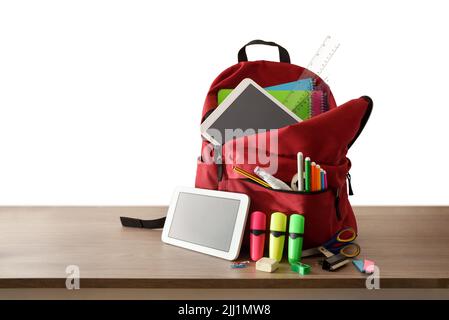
239 265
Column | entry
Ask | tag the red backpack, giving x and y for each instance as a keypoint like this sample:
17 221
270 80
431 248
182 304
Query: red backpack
325 138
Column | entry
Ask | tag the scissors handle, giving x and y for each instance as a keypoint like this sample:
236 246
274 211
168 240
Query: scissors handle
350 250
339 236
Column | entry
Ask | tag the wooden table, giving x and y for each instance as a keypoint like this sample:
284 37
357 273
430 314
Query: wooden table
410 245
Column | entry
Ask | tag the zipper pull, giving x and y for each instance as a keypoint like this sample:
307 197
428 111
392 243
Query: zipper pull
218 159
351 193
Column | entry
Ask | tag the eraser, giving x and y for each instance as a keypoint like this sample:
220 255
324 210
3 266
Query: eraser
358 264
301 268
368 266
267 265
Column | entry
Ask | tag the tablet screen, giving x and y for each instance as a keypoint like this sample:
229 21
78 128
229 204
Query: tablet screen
250 111
204 220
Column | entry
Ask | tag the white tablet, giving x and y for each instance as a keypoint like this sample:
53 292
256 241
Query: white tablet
247 109
207 221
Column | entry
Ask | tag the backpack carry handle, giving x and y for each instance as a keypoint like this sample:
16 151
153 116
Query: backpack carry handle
283 53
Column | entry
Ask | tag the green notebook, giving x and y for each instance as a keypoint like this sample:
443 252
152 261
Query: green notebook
297 101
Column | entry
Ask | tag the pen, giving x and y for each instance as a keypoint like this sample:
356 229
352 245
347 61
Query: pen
307 173
300 164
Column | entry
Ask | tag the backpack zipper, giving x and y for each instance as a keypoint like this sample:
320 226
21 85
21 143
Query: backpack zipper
218 160
337 204
336 201
350 192
286 191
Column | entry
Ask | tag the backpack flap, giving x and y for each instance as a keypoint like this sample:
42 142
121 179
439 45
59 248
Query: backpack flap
325 139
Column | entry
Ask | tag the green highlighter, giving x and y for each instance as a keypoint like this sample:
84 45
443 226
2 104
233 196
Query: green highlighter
295 238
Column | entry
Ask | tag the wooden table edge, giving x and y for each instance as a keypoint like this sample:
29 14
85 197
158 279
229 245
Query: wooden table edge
116 283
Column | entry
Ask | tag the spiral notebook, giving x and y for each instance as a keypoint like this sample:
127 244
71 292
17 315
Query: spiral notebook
302 84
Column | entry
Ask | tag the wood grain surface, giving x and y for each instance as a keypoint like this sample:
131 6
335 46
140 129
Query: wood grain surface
410 245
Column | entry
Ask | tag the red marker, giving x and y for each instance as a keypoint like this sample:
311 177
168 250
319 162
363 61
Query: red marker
258 226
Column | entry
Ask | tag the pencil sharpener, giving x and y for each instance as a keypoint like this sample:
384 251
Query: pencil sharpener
301 268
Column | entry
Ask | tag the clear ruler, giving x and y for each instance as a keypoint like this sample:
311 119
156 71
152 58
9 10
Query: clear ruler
323 55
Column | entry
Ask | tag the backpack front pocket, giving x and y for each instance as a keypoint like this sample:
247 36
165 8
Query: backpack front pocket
206 175
320 208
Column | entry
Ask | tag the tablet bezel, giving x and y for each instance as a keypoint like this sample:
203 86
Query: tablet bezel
239 227
228 102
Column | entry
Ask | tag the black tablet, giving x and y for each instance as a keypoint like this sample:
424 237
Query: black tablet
248 109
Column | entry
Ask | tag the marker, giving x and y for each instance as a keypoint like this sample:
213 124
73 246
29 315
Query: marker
313 177
325 180
300 163
322 179
278 225
318 177
307 175
295 238
257 235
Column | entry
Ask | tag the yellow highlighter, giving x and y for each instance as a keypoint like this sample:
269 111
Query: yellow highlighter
278 226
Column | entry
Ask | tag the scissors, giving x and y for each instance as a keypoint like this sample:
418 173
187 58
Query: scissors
341 242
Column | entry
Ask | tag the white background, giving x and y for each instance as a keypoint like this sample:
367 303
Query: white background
100 101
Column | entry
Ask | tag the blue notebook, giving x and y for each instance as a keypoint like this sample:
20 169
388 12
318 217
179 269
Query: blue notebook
303 84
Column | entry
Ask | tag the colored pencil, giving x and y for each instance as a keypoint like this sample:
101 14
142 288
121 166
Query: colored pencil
251 176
